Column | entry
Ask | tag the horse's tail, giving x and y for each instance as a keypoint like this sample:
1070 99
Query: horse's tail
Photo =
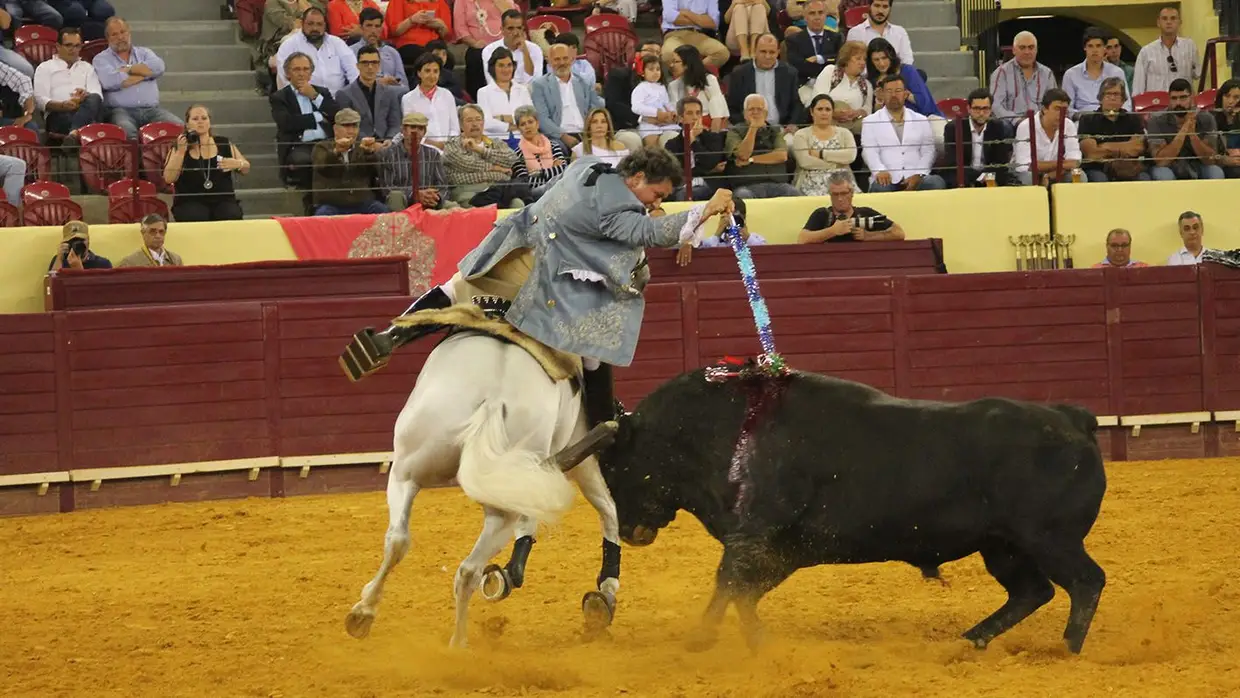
496 473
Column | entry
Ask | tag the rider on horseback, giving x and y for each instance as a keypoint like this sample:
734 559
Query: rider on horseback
569 269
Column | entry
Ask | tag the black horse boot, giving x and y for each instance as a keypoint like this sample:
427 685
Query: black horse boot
370 351
600 395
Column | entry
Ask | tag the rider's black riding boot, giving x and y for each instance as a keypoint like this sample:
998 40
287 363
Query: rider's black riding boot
600 395
369 351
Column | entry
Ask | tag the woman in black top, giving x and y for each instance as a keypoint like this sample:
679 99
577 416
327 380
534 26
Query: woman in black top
201 165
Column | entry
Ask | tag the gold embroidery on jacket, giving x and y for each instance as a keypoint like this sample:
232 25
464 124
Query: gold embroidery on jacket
602 328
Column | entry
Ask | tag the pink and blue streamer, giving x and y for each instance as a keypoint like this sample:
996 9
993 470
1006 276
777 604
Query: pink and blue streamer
770 360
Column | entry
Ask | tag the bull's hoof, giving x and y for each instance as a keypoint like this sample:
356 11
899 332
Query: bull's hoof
599 610
359 621
496 585
701 639
977 641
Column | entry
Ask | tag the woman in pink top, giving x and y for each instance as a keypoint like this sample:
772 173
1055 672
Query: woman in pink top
477 23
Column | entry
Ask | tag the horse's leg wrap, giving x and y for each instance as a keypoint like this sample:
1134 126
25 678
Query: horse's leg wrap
611 562
516 564
370 351
600 395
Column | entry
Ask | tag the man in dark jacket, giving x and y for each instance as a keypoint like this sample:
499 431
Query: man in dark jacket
706 151
812 50
303 114
987 145
344 170
775 81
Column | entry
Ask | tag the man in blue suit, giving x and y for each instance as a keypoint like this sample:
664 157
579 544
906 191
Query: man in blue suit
559 116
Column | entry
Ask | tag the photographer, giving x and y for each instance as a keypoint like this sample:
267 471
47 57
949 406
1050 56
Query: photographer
201 165
843 222
75 250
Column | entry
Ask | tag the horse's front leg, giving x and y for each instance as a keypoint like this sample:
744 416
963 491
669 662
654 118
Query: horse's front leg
599 607
498 582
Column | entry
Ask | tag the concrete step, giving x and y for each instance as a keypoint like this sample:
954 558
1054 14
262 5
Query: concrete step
265 203
168 10
945 64
208 81
188 58
218 32
264 170
254 138
951 88
233 106
934 39
910 14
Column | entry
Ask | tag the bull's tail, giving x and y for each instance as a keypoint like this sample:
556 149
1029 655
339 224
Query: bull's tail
496 473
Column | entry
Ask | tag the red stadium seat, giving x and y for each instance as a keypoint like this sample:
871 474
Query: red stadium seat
562 26
129 200
606 20
106 156
1150 101
608 48
38 158
93 48
44 190
10 217
1205 100
956 108
250 17
156 140
54 212
37 51
18 134
856 15
34 32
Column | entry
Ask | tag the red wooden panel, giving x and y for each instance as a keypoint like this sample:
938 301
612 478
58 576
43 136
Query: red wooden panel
1055 391
1139 386
26 362
1159 329
1227 327
1015 372
313 425
1006 336
22 323
223 352
834 344
1006 318
40 342
786 325
25 383
192 488
31 423
1146 312
124 398
800 288
1004 281
14 403
319 387
1227 346
166 376
160 336
1162 348
1227 289
1160 293
673 349
883 379
1162 404
83 321
181 452
1183 367
659 329
354 442
382 307
190 431
804 261
1015 299
663 369
736 307
970 357
107 418
28 417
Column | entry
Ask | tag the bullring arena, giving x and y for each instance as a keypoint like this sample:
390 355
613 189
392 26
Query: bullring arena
192 495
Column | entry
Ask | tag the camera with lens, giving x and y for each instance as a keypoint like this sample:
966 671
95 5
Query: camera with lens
876 222
191 138
78 247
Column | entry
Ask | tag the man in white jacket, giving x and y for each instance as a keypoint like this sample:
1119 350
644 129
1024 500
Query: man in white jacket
898 144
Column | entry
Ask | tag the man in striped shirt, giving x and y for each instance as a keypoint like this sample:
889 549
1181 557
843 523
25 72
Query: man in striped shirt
396 169
1171 56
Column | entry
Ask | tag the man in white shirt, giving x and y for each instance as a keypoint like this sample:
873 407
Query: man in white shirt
335 64
563 98
67 88
1018 85
526 54
1169 57
876 25
897 144
1192 230
1054 107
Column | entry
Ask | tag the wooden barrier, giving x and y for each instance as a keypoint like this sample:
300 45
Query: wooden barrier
264 281
902 258
172 403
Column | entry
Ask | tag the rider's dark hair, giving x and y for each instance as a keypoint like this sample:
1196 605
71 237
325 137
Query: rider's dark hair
656 163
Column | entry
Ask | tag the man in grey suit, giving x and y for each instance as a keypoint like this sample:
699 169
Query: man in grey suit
586 239
378 104
559 116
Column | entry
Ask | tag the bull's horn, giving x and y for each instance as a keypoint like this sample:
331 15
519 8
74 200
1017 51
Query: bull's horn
599 438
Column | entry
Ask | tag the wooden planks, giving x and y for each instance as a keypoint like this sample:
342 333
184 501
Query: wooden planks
804 261
28 409
1158 312
661 348
1220 292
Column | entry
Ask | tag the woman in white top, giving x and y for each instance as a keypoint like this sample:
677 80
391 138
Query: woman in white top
600 140
656 115
499 101
435 103
693 80
821 148
851 93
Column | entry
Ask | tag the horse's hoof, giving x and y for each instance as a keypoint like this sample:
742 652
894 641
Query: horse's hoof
599 609
701 640
496 585
359 620
458 643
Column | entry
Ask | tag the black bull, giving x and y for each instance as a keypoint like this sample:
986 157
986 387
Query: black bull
838 472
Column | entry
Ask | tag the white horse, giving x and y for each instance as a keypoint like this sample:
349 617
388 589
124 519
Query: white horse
485 412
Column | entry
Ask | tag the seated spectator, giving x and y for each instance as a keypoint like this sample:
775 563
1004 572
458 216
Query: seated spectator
882 61
13 173
1020 84
1192 230
379 104
600 139
685 255
476 24
33 12
89 15
501 98
1083 81
691 79
67 89
1115 56
447 77
344 18
706 151
628 8
849 86
396 170
75 252
1183 141
767 76
652 105
16 99
391 65
438 105
1112 139
758 155
345 170
990 145
412 24
746 20
1119 251
815 48
473 162
526 54
152 253
280 19
8 26
821 148
581 66
201 165
303 113
539 159
562 99
693 22
876 25
128 75
1227 117
843 222
898 161
618 90
1054 108
335 64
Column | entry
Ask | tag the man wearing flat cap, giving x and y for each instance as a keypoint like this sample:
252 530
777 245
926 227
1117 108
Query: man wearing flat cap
152 253
396 169
75 250
344 168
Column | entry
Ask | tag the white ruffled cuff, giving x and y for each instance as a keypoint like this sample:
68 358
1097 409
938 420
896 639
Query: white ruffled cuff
693 231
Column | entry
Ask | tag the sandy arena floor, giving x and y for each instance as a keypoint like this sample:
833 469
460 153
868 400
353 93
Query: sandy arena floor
248 598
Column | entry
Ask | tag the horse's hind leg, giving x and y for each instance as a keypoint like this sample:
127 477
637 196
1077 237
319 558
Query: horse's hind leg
498 582
496 528
400 494
1027 587
599 607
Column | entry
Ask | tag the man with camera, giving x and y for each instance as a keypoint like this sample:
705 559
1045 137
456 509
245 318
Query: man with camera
75 250
843 222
